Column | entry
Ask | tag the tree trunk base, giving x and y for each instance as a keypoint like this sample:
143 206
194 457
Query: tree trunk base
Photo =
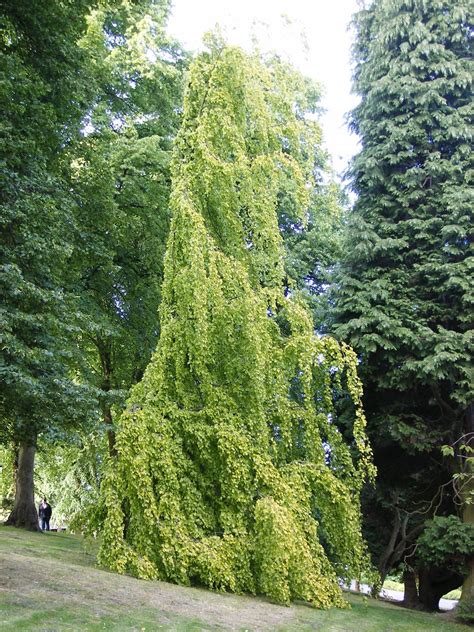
23 516
434 583
410 596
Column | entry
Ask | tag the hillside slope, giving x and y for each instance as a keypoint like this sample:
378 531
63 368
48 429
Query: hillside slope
49 582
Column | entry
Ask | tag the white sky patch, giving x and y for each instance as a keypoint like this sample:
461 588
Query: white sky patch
312 34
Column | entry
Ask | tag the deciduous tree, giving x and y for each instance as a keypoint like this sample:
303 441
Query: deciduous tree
45 88
231 469
120 176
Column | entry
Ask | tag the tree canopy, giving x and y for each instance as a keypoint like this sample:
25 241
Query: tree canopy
43 97
120 176
45 90
88 117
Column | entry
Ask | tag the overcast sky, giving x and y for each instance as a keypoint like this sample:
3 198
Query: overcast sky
312 34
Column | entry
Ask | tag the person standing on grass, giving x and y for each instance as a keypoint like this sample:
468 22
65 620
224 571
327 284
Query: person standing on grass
44 512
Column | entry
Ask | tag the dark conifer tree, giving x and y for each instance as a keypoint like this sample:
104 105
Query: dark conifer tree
404 296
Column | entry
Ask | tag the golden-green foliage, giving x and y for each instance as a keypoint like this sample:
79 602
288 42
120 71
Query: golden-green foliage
231 470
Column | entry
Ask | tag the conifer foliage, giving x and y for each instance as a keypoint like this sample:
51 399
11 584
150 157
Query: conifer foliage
404 297
231 471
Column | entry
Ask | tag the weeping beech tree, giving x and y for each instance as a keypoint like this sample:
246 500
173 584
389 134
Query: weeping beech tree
233 470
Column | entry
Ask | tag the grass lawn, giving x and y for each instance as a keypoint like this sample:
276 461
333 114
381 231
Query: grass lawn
49 582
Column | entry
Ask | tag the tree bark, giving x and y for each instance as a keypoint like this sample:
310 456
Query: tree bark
434 583
410 597
15 463
428 597
467 595
384 563
24 512
106 364
107 417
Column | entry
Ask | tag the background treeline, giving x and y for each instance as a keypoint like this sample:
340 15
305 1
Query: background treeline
91 99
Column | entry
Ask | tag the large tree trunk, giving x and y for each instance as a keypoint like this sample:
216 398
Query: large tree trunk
410 597
429 597
15 462
467 595
106 364
24 512
434 583
107 417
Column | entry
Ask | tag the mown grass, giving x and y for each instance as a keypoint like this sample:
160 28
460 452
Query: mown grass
49 583
73 619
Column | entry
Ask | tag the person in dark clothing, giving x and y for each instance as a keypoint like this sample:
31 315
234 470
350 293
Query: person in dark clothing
44 513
